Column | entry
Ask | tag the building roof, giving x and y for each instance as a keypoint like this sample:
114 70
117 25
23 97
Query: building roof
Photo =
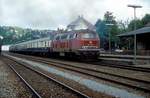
80 23
138 31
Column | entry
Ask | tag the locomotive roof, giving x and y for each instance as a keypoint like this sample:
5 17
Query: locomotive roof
41 39
78 31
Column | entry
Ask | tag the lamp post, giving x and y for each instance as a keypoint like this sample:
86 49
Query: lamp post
1 38
109 37
135 7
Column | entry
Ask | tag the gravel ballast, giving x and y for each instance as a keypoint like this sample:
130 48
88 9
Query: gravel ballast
10 85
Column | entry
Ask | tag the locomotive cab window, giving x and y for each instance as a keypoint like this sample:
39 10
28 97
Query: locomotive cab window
72 36
88 35
65 36
57 37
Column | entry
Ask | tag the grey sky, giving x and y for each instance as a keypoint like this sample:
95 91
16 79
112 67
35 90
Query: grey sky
58 13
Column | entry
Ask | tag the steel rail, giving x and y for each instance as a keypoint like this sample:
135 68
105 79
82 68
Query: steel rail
145 88
52 79
97 76
26 83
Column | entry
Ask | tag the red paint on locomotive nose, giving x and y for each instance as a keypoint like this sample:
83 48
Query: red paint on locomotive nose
89 42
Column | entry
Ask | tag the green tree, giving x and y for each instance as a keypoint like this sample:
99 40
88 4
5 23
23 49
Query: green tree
108 26
138 25
109 18
146 19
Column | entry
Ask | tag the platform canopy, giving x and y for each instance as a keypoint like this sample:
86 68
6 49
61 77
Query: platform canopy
137 32
80 23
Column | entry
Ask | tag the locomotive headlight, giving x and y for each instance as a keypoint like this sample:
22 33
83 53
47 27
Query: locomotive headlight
90 42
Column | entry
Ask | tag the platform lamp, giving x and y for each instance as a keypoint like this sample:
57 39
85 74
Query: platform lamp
1 39
110 24
134 7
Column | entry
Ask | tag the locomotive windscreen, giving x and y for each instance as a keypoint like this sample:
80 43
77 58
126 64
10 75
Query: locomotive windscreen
89 35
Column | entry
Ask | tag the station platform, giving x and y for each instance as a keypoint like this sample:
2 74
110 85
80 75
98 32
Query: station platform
125 56
126 59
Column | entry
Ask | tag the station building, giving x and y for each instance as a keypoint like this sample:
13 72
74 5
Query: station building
143 40
80 24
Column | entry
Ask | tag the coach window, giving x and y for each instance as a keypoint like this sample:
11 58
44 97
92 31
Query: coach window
71 36
68 36
31 45
62 37
48 43
40 43
75 36
57 38
65 37
36 44
45 43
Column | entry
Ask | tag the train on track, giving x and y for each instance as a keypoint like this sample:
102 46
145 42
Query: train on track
76 43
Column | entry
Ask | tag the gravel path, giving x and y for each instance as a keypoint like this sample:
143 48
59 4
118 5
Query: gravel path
10 85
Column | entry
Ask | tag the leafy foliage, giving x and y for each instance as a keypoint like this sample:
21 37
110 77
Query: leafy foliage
15 34
107 26
103 28
146 19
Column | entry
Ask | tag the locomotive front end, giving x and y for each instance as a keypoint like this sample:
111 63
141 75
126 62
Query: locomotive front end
89 44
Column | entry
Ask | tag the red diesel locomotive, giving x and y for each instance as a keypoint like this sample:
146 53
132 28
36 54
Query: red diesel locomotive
81 43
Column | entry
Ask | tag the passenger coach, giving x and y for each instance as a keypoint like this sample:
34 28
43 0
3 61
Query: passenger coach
39 47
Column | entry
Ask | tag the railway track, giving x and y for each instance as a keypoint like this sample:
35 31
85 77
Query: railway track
106 64
26 83
122 66
22 71
128 81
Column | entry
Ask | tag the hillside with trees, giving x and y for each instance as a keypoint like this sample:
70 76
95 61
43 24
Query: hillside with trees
16 34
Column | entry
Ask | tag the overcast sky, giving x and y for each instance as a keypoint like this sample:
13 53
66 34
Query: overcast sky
50 14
